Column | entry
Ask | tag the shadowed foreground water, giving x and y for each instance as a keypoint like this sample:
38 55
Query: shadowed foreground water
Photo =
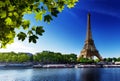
65 74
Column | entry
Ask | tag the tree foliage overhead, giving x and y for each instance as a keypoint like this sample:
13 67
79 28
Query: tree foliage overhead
12 12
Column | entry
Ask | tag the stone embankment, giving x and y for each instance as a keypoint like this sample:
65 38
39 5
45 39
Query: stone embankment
54 66
76 66
97 66
62 65
7 65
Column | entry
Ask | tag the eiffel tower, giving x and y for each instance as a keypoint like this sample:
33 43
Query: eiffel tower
89 50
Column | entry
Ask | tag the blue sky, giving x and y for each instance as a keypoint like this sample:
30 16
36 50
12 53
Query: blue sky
67 32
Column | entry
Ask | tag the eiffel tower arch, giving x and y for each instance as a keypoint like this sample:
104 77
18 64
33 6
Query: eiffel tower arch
89 50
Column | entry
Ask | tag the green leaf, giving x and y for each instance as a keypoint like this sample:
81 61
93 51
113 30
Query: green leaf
16 14
10 35
30 32
25 24
11 8
10 14
38 16
71 3
33 38
47 18
61 4
21 36
3 14
3 45
31 7
39 30
8 21
60 8
11 41
54 12
34 28
7 2
2 4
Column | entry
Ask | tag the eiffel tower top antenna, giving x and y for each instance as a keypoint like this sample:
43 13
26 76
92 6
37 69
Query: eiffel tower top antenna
89 34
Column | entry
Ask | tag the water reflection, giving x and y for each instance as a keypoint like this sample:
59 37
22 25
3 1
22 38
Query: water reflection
90 74
54 75
63 74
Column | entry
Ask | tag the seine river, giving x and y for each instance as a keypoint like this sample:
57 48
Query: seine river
65 74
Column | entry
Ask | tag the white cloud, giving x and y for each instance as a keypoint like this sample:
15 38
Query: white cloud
19 47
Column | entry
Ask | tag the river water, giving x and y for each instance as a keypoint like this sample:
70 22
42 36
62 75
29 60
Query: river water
63 74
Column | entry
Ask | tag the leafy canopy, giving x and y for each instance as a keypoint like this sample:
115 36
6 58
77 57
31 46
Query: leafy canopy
12 12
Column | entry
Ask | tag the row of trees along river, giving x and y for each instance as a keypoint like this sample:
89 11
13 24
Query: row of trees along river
47 57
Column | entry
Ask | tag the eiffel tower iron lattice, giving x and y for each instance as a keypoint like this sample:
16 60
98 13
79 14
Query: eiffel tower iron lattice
89 50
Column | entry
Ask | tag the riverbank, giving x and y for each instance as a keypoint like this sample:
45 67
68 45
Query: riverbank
54 66
76 66
97 66
15 65
59 65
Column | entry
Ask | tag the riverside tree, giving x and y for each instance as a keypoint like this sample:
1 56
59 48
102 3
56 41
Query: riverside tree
12 57
12 12
48 57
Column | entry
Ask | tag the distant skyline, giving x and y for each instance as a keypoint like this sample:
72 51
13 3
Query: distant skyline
67 32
